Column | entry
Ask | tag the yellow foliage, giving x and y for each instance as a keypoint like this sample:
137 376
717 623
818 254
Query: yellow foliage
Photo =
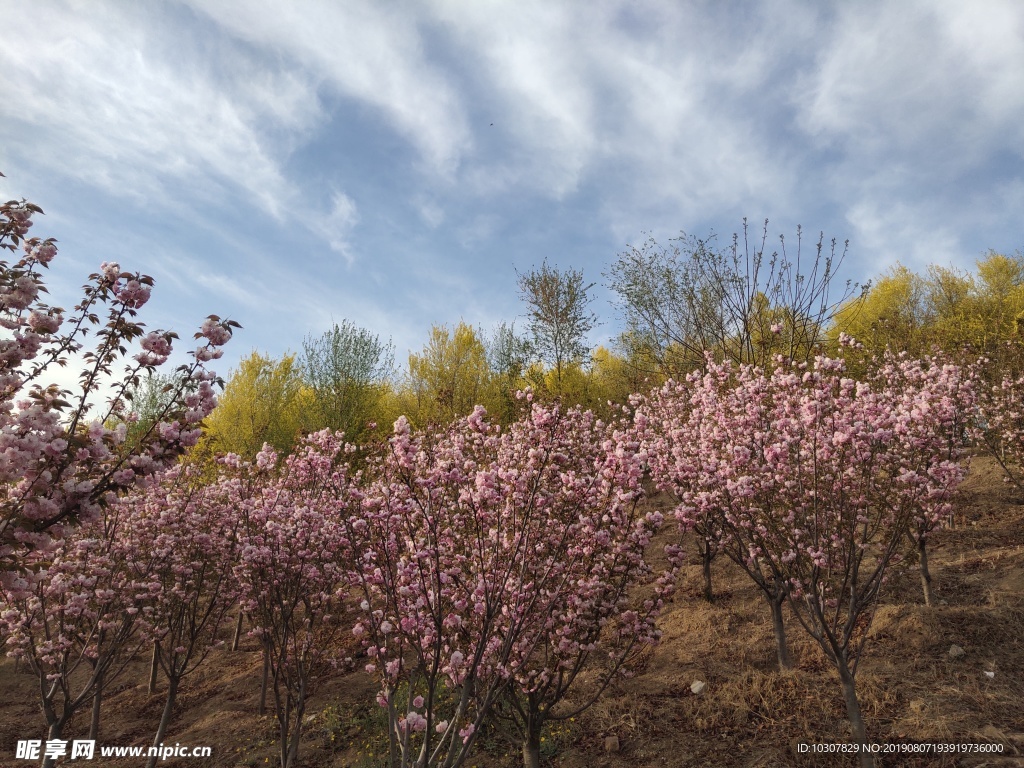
946 309
892 314
263 402
448 378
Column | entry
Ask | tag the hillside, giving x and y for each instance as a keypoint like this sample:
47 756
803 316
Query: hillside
910 686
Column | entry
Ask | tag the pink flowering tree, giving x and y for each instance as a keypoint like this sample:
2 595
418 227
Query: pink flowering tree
943 402
595 597
293 564
188 525
423 543
73 617
815 480
666 422
63 456
701 437
489 563
1001 408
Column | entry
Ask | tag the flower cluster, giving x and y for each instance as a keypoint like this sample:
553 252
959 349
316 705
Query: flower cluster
494 563
800 472
62 458
1001 407
73 615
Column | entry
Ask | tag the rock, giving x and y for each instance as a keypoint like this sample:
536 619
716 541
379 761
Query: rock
990 675
611 743
698 687
955 652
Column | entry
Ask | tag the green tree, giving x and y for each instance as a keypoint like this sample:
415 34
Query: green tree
894 313
347 370
149 401
981 313
508 356
999 293
959 312
954 309
559 316
614 378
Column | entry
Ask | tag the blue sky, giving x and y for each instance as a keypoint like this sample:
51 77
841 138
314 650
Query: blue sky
290 164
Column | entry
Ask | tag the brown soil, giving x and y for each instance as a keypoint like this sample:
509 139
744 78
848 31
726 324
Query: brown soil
749 715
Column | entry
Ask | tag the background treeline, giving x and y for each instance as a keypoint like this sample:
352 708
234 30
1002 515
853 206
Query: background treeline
680 303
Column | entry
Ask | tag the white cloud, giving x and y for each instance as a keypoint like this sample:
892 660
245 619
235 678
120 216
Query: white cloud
902 122
534 78
121 102
659 107
944 79
430 211
889 232
477 231
337 225
370 52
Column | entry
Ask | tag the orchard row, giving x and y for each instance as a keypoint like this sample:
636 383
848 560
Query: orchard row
475 570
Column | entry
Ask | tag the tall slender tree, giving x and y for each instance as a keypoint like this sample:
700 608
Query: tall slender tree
347 370
559 317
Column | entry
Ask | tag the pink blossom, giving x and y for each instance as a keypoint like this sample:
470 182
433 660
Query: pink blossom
47 322
44 252
53 478
217 333
111 271
133 294
157 343
808 479
554 496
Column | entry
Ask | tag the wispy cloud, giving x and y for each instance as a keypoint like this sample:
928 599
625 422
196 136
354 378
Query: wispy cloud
920 105
369 52
921 78
129 99
337 224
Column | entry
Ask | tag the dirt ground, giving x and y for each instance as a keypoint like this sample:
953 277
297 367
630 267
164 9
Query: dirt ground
749 715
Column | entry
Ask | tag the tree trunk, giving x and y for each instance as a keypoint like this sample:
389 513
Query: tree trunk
706 556
531 739
153 667
56 728
266 679
165 720
531 754
283 712
779 627
296 734
859 735
238 633
926 577
97 701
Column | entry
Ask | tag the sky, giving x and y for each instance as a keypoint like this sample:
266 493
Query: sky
294 164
